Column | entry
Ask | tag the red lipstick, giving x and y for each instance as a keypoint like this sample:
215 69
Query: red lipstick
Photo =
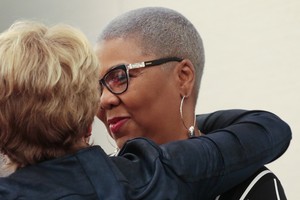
116 123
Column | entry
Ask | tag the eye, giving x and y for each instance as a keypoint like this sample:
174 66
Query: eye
116 78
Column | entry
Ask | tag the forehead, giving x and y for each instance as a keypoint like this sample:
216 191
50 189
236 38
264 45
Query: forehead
118 51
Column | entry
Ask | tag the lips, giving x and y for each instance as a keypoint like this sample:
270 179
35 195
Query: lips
116 123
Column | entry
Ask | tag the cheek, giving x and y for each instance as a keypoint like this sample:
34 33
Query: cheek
143 106
152 92
138 102
141 94
147 101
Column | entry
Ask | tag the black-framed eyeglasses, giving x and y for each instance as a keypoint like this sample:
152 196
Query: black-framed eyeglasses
116 80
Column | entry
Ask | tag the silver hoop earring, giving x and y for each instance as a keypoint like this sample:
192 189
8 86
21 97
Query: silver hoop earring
191 129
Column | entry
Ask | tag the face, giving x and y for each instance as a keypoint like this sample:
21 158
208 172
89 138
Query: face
150 106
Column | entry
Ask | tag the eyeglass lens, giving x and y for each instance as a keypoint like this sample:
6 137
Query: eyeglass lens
116 80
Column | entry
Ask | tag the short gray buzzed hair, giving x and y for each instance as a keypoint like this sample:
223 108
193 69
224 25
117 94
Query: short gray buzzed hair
162 32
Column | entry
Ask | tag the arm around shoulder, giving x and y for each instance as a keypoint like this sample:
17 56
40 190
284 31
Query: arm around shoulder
237 144
252 127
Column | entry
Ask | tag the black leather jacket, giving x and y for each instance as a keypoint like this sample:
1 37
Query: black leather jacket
199 168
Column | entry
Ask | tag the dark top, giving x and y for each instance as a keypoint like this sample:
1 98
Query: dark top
263 185
198 168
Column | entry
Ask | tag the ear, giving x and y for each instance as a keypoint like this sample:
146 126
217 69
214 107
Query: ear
185 72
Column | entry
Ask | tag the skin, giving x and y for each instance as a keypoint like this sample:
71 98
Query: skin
150 106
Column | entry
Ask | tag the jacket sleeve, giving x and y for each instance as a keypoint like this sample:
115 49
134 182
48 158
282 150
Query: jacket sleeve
239 121
237 144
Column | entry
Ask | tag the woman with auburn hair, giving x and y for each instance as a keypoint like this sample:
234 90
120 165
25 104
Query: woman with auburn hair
49 95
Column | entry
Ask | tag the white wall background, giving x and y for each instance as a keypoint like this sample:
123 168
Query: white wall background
252 55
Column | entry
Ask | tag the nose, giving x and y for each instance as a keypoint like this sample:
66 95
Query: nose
108 100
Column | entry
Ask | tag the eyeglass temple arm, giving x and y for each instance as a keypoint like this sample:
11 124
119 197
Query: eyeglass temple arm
153 62
162 61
